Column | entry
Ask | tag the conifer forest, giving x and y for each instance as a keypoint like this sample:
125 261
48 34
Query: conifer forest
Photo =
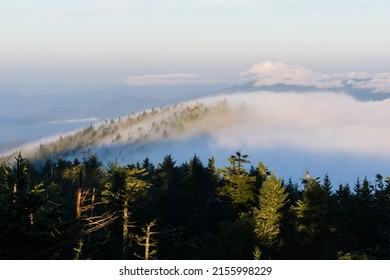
83 209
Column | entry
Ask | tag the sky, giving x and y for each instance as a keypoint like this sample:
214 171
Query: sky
107 42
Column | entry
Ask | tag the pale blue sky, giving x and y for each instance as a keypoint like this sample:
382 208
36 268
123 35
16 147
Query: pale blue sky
103 42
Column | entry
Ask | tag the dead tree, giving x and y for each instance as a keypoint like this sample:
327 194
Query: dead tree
148 241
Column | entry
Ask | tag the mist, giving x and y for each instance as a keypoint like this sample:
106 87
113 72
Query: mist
322 130
316 122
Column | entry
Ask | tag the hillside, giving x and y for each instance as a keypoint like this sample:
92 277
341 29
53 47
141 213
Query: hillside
328 132
138 131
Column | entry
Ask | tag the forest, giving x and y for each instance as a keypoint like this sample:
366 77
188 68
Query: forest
82 209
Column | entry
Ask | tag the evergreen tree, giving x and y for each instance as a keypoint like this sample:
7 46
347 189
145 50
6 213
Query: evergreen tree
234 240
81 210
382 213
327 185
343 211
312 220
239 186
124 188
268 215
364 225
30 225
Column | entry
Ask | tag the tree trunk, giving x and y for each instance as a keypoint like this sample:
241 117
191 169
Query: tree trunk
125 228
78 204
147 243
77 237
91 214
31 216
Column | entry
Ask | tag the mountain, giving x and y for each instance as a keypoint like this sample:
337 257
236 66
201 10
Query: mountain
290 128
138 131
29 113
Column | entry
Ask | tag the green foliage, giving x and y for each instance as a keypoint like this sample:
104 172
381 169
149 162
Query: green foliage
313 224
257 253
352 256
164 122
81 209
124 188
312 209
268 215
233 241
239 186
30 225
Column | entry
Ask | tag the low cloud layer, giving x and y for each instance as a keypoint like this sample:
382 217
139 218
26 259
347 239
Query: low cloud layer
85 120
267 73
166 79
319 123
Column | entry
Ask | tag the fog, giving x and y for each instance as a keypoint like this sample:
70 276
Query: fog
325 131
318 122
289 132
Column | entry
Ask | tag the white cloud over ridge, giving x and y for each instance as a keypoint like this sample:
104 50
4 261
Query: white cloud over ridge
317 122
166 79
267 73
379 83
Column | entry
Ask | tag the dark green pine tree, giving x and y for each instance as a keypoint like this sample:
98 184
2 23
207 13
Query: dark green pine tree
167 204
382 212
233 240
364 225
94 173
30 224
327 185
149 168
312 221
125 187
341 216
198 192
166 192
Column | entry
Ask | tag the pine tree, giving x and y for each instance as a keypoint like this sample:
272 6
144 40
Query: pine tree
30 224
364 225
239 186
382 212
327 185
312 219
341 215
234 240
124 188
268 215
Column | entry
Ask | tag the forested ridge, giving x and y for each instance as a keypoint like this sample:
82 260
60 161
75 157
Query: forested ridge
81 209
135 132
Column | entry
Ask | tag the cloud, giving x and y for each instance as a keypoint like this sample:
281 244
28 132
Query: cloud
267 73
91 120
379 83
317 123
166 79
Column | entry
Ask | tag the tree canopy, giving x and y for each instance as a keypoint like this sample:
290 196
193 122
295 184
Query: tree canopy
82 209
